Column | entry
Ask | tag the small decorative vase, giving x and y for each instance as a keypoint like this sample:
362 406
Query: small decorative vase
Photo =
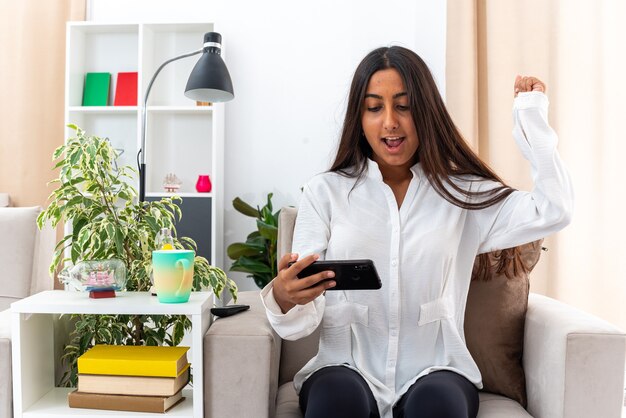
203 185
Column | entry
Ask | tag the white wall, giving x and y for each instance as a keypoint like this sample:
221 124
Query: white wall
291 65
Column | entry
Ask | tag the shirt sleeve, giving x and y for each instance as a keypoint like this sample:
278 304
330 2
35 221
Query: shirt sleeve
527 216
311 236
298 322
312 230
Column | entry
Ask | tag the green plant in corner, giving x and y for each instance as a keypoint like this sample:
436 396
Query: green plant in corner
95 197
257 256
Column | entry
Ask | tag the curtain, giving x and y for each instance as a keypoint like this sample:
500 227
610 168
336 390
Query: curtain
576 48
32 68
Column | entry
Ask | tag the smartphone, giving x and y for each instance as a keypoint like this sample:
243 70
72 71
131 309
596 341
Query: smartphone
349 274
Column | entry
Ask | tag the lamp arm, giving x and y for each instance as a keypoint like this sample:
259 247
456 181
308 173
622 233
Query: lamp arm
144 117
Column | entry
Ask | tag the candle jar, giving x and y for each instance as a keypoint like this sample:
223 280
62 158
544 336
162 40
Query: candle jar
203 185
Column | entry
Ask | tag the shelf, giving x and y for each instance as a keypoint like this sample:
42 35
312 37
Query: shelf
103 109
105 29
54 405
133 109
125 303
186 194
180 109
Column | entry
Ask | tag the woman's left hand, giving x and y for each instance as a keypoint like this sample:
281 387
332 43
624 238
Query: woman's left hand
523 84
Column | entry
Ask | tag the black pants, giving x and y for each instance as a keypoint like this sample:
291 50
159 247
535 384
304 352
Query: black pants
340 392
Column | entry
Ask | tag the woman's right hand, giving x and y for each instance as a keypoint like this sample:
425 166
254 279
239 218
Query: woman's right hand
289 290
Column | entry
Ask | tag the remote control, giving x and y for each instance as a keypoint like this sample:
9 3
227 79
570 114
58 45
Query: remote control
229 310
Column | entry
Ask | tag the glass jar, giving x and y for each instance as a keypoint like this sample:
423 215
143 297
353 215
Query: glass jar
164 240
96 275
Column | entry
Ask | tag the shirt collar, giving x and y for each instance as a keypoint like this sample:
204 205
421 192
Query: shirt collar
373 171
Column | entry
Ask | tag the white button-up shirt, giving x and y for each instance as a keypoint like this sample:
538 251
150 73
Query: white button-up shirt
424 252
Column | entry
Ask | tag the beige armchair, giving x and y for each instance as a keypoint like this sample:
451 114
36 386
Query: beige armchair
25 255
574 362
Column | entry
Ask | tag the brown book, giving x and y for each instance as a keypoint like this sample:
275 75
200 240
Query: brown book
132 385
123 402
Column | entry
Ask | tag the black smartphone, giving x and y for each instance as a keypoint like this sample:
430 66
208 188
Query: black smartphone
349 274
229 310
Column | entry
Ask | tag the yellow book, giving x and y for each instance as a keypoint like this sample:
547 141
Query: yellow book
133 360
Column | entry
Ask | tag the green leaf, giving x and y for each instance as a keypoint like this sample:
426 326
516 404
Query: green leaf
110 231
57 152
75 157
239 249
179 332
150 220
77 226
269 201
244 208
249 265
266 216
261 280
267 231
189 243
119 241
253 235
76 200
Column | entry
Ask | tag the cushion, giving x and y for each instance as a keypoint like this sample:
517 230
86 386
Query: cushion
494 326
18 232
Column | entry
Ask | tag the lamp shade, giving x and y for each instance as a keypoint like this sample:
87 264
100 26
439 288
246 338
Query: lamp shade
209 80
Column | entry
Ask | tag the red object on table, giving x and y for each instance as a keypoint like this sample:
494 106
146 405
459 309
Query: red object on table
102 294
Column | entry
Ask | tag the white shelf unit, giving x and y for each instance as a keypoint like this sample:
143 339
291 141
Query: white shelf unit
32 326
181 137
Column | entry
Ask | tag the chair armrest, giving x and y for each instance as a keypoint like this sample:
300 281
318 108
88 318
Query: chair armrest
573 361
241 361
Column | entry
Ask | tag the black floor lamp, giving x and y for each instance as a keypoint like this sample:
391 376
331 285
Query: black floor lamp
209 81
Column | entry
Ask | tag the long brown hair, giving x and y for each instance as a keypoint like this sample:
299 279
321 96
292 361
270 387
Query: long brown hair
442 152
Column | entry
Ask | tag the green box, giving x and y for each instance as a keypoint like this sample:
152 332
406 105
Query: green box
96 92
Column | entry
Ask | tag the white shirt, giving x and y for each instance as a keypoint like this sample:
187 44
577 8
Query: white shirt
424 252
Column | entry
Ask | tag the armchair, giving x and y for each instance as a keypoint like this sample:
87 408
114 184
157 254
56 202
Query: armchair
25 254
574 362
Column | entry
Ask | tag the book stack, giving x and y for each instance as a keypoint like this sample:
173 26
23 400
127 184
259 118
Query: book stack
131 378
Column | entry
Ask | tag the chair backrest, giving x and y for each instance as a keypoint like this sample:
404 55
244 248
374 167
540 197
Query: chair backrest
294 354
25 254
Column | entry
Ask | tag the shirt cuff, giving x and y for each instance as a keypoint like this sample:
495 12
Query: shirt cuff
298 322
267 297
531 99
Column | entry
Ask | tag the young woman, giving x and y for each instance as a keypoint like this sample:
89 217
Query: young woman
407 192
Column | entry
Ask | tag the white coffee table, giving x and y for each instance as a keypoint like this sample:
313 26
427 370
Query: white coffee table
33 347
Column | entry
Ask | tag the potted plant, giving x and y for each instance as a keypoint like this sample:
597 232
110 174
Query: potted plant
257 256
95 197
